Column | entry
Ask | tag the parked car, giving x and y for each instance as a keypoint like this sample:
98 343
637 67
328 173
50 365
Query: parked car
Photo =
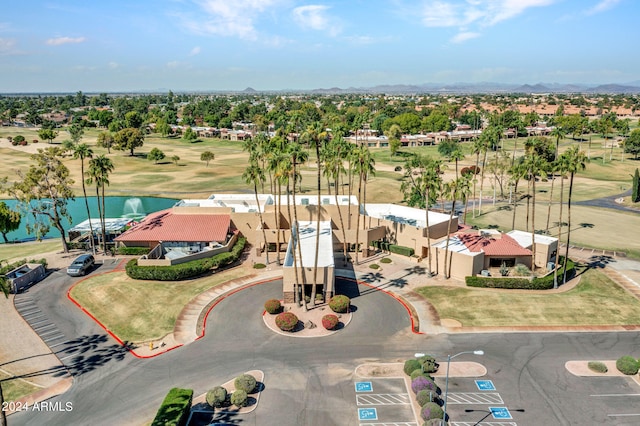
81 266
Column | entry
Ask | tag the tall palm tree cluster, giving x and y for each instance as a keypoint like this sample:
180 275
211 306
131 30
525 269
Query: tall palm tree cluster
276 161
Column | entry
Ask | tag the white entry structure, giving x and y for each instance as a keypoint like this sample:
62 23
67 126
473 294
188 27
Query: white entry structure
305 260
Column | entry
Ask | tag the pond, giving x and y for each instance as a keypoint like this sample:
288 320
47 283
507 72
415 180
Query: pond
131 207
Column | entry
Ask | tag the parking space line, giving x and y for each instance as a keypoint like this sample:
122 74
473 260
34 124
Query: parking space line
42 327
390 424
617 394
68 356
623 415
383 399
58 344
29 311
60 336
484 424
474 398
48 332
38 322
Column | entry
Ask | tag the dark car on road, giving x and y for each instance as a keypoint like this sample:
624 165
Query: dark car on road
81 266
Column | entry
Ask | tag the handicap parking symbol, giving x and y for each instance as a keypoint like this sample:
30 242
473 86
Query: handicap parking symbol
500 413
367 414
364 387
485 385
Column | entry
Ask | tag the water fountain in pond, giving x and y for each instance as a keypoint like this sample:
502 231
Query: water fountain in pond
133 209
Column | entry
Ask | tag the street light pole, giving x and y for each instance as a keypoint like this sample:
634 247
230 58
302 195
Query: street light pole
446 386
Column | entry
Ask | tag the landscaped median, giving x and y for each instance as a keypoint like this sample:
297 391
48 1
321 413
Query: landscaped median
595 300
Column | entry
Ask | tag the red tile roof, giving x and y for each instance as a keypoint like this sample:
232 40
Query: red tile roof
504 245
165 225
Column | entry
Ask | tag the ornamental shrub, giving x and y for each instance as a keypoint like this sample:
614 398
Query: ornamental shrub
217 397
597 366
286 321
239 398
431 410
428 364
411 365
272 306
339 304
246 382
542 283
330 321
433 422
259 266
419 372
406 251
423 383
425 396
132 251
385 260
374 266
627 365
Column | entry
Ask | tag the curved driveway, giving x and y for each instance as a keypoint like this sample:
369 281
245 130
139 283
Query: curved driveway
310 381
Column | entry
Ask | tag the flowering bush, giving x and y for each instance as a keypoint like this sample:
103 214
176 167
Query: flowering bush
425 396
273 306
286 321
339 303
423 383
330 321
431 410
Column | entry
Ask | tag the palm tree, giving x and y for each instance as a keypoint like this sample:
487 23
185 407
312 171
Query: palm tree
451 192
297 156
82 151
562 170
489 138
517 171
99 169
559 133
552 168
334 166
478 147
576 161
254 174
275 159
534 164
364 165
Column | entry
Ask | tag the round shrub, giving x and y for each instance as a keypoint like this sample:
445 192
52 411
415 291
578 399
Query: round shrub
419 372
429 364
431 410
259 266
397 169
627 365
433 422
385 260
411 365
374 266
339 303
423 383
217 396
597 366
330 321
286 321
425 396
239 398
273 306
245 382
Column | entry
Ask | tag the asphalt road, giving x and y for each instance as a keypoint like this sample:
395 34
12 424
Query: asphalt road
310 381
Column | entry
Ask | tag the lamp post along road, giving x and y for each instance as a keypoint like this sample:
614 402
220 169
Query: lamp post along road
446 383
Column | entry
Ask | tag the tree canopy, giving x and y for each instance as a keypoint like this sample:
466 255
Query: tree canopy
128 139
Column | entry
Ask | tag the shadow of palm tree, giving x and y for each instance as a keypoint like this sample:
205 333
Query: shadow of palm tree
91 352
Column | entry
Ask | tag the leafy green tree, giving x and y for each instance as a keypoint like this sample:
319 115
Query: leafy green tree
163 127
635 192
190 135
155 155
9 220
133 119
44 191
76 131
47 134
175 159
394 133
19 139
128 139
105 140
207 156
632 144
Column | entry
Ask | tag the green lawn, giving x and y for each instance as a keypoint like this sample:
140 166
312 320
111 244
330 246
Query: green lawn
596 300
16 388
30 250
138 310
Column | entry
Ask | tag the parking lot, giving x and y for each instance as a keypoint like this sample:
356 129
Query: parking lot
383 402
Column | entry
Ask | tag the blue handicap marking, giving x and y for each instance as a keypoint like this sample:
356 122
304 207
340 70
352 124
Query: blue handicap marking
485 385
501 413
364 387
367 414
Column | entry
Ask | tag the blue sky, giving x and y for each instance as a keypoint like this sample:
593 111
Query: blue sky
118 45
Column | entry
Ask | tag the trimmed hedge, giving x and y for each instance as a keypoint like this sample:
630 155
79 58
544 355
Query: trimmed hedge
286 321
217 397
339 304
330 321
185 270
627 365
239 398
406 251
245 382
175 408
132 251
431 410
597 366
412 365
544 283
273 306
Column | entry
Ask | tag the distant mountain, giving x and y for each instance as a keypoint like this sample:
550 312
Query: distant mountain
614 88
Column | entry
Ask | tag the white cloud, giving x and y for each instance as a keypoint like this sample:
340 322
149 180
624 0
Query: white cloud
603 6
464 36
57 41
113 65
314 17
225 18
173 64
6 44
196 50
